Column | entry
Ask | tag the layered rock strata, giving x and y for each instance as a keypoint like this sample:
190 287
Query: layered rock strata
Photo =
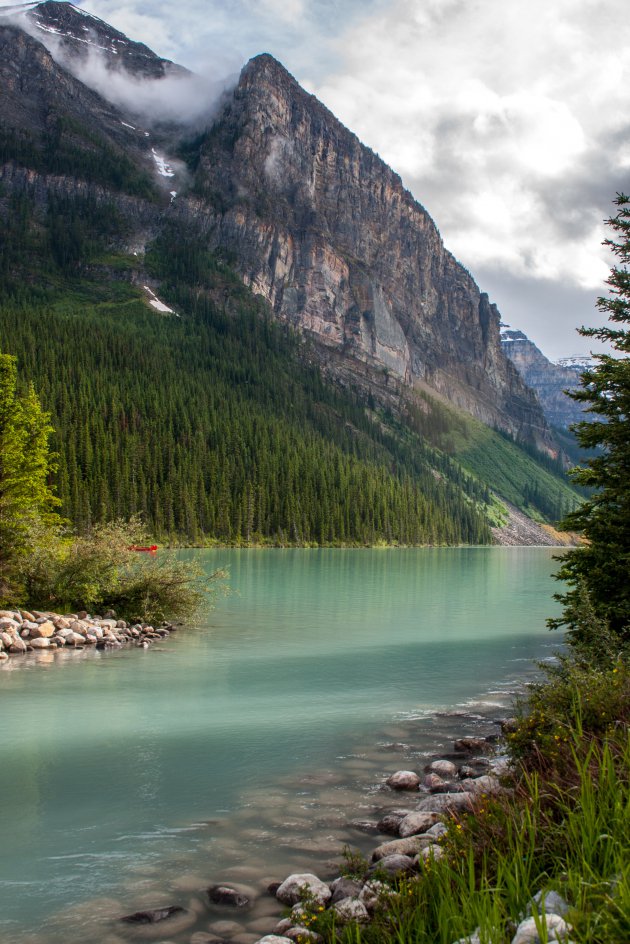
326 232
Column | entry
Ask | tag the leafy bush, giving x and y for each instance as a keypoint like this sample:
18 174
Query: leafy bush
577 703
101 571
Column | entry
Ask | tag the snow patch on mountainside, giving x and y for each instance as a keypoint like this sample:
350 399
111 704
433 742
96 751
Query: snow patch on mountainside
164 169
155 302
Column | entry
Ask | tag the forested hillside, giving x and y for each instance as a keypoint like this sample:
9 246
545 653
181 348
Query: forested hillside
213 422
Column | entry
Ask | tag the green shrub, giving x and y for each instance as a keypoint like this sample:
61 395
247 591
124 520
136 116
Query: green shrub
101 571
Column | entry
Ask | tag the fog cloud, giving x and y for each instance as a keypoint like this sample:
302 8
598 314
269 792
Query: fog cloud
182 98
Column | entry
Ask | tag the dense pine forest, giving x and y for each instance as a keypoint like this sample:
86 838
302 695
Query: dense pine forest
214 423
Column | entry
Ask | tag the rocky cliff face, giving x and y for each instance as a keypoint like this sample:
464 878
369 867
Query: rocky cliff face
548 380
325 231
314 221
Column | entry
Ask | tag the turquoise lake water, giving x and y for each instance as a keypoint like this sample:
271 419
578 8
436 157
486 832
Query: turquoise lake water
137 776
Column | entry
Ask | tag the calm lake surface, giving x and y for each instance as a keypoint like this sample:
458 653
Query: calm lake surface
241 748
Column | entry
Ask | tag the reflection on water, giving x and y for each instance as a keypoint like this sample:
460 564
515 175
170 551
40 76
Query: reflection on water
138 775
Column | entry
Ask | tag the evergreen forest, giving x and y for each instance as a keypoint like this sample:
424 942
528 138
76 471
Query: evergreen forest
215 423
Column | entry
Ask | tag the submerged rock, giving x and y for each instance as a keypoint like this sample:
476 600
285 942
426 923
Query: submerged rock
152 916
225 895
471 744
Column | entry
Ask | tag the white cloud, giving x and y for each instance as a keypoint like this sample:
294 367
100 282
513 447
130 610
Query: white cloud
289 10
509 122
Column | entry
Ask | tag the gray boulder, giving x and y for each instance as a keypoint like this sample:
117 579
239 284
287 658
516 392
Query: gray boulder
373 892
445 802
274 939
392 820
549 902
393 865
415 823
431 852
527 931
407 847
443 768
351 909
344 888
403 780
294 888
486 784
471 939
303 935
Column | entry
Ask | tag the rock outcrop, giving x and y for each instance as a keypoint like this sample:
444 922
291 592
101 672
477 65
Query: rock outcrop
326 232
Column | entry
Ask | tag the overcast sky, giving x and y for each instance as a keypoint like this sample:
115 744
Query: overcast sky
507 119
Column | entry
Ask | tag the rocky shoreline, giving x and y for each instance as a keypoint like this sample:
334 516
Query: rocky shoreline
416 806
23 631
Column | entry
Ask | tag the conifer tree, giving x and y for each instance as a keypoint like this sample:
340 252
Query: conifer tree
26 498
600 570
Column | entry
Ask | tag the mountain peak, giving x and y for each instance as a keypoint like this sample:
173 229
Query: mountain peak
265 69
79 33
264 60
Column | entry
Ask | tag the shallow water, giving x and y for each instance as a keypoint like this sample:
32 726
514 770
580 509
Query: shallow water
243 747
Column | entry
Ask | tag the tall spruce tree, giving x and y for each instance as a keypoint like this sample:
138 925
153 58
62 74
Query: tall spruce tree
598 574
26 498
